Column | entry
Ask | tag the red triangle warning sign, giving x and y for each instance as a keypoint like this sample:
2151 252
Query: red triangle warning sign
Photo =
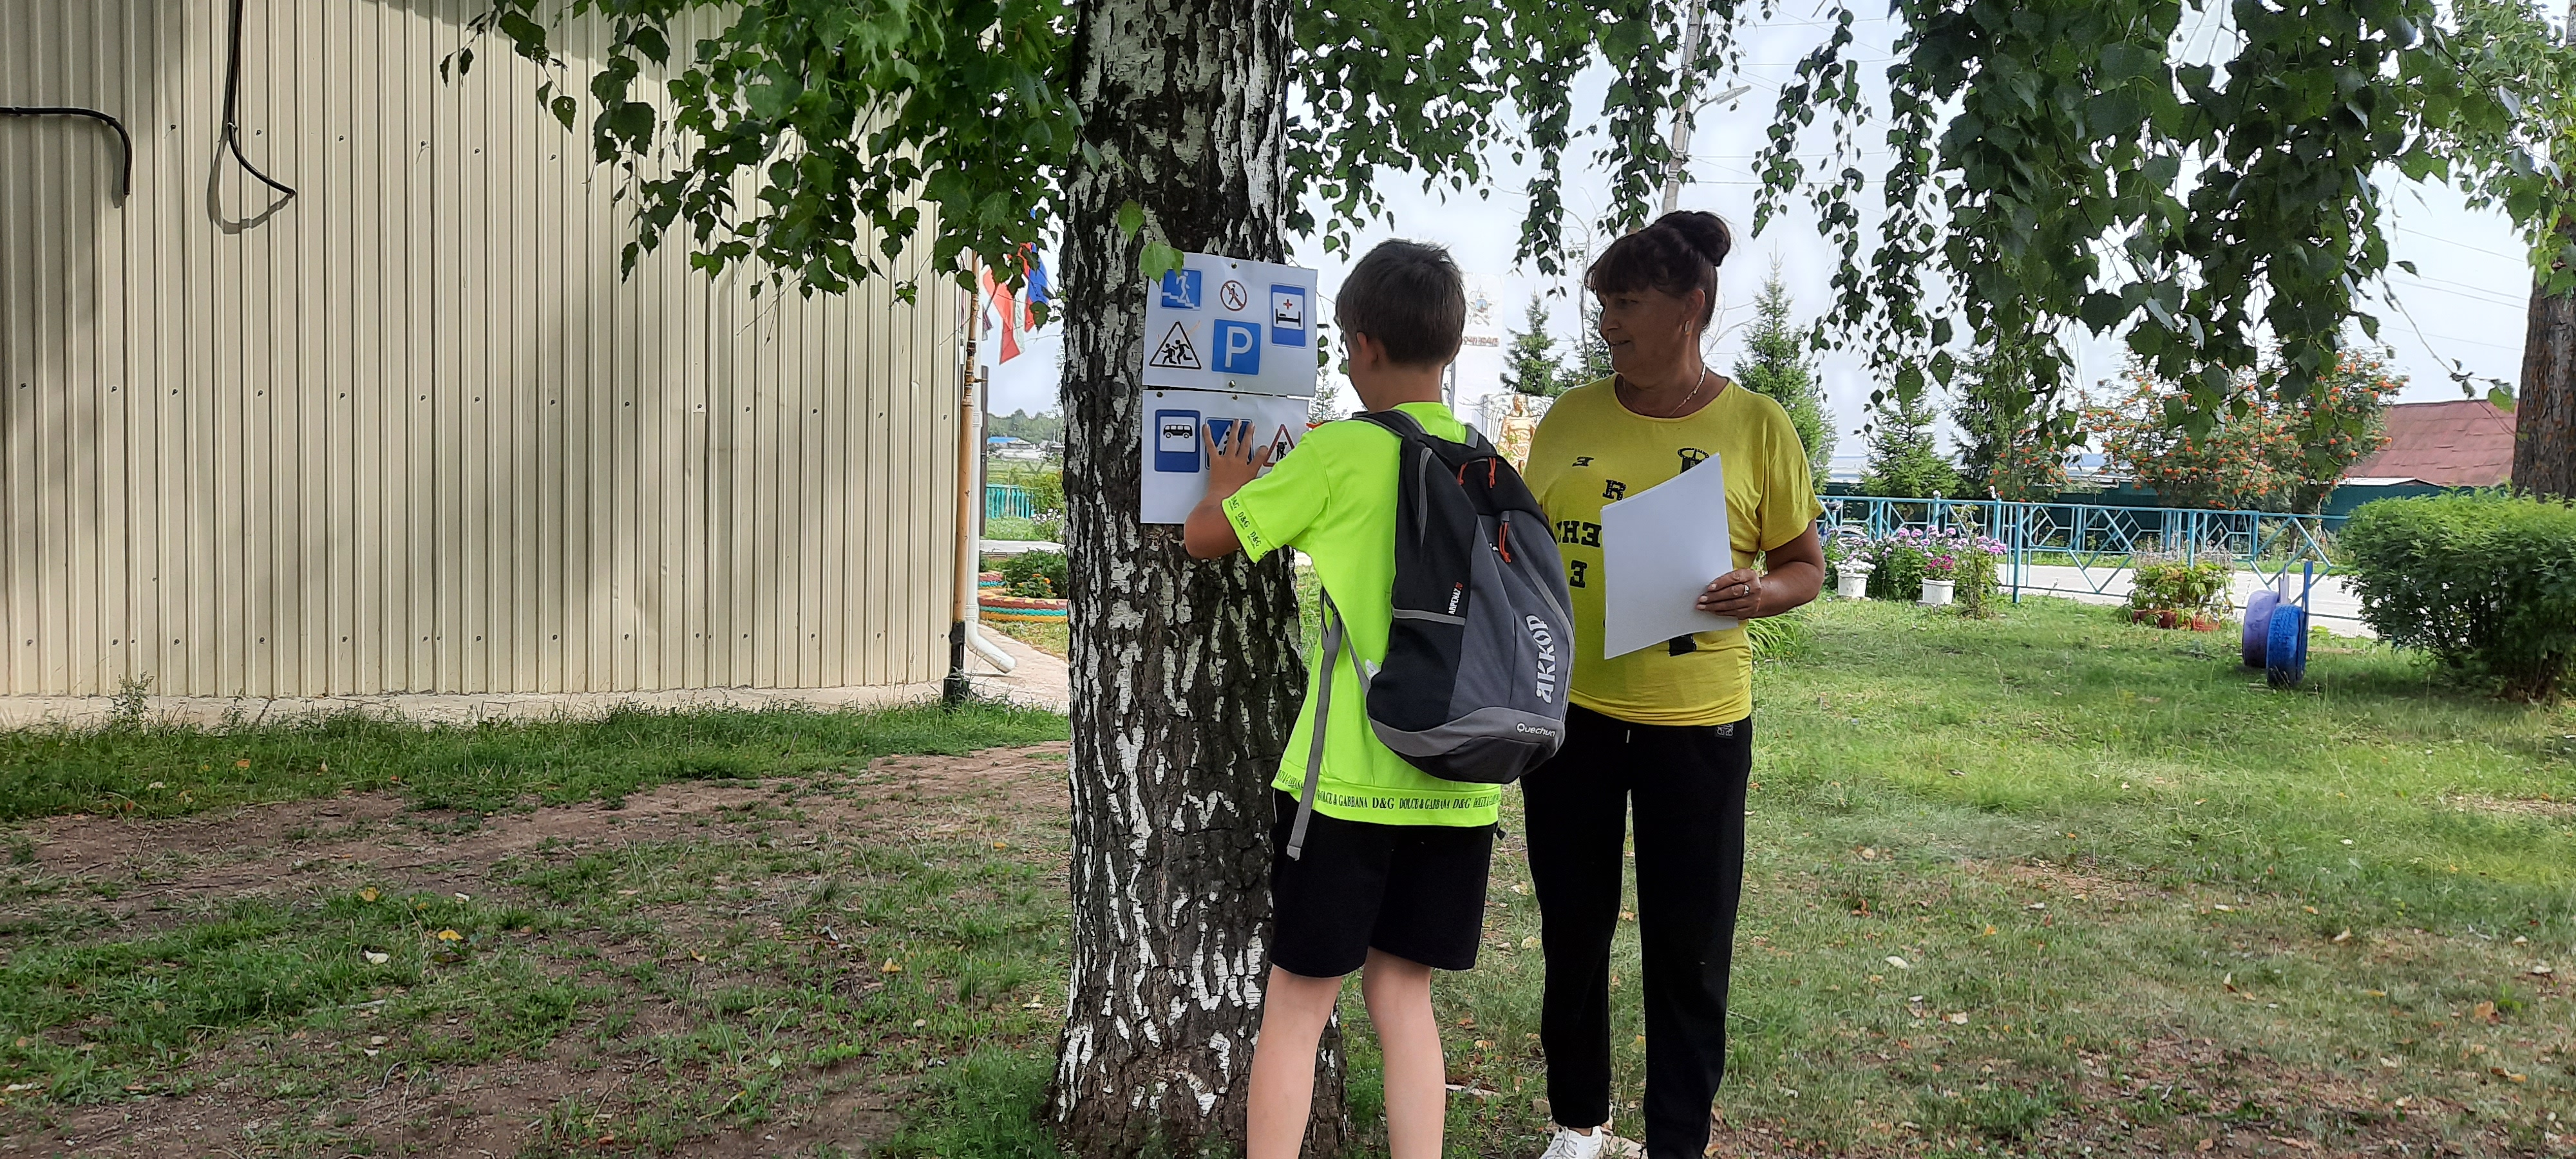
1175 352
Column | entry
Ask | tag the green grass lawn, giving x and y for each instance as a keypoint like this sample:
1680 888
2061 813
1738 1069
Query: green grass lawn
654 933
2142 902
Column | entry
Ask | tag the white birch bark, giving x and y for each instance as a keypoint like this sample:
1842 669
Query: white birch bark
1185 674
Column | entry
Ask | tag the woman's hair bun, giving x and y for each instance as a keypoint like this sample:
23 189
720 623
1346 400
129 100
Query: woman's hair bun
1704 232
1678 254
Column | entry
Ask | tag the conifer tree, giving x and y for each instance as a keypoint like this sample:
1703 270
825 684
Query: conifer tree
1774 363
1531 365
1904 460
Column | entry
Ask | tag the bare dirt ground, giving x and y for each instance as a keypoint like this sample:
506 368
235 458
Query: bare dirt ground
345 1086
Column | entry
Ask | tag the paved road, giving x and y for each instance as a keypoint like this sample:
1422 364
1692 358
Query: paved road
2337 608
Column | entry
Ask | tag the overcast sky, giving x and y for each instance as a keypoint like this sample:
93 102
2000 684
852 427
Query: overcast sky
2466 303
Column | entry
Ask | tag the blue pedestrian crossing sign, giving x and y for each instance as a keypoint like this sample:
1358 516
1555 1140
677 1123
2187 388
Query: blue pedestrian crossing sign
1227 324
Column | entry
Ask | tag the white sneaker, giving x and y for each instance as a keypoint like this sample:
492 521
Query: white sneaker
1570 1144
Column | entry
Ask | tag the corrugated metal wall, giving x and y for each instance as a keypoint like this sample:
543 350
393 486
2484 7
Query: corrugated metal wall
410 431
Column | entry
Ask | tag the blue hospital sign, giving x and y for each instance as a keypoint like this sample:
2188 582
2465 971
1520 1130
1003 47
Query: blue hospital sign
1238 347
1288 315
1181 289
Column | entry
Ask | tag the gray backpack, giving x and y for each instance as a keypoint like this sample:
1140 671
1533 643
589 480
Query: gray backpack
1481 648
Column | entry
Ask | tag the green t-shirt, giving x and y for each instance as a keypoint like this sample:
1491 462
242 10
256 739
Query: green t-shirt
1333 498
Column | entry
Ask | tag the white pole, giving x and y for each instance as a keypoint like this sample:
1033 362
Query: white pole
1674 169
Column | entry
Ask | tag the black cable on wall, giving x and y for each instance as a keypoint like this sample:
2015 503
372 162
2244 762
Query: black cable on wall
125 186
232 106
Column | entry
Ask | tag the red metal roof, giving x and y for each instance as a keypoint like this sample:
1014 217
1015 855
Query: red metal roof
2467 443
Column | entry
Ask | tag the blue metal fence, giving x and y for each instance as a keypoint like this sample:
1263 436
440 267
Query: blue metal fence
2092 546
1008 501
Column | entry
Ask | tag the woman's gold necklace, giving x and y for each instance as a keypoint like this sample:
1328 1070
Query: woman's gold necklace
1687 399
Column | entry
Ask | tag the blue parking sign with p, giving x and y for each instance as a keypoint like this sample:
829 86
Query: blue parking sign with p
1238 347
1181 289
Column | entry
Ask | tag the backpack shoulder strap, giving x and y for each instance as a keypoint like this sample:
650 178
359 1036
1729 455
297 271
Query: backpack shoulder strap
1395 422
1407 428
1332 649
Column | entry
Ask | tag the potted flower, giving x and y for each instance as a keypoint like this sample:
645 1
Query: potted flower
2168 592
1940 573
1851 579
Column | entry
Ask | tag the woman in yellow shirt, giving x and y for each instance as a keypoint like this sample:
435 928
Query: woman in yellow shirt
1669 727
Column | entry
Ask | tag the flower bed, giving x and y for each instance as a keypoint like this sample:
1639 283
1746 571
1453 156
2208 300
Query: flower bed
1900 562
2168 592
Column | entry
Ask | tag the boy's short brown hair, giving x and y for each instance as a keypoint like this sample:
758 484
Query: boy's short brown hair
1409 297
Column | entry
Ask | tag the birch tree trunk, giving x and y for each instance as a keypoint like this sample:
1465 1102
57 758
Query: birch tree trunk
1186 677
2544 420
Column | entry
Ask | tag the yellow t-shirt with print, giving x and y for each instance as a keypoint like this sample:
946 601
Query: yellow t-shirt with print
1590 451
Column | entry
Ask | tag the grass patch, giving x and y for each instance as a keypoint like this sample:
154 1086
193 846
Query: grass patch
170 771
2140 901
1054 638
748 972
2116 868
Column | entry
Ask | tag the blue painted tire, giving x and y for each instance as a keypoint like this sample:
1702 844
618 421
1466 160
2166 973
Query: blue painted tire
2285 646
2258 626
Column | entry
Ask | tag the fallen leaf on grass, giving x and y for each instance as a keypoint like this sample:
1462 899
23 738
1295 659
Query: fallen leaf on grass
2541 970
368 894
891 966
1898 962
2390 1063
2205 1144
2483 1012
376 959
2301 1144
1530 942
2345 936
1956 1018
450 936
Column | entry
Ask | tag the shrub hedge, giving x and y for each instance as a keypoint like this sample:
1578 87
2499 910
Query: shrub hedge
2482 581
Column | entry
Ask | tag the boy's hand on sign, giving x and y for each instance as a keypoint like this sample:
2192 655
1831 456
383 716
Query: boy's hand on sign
1237 462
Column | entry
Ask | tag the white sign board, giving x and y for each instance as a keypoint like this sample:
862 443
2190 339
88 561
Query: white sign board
1177 426
1220 323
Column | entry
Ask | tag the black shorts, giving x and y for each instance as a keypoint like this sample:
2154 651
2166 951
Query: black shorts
1414 891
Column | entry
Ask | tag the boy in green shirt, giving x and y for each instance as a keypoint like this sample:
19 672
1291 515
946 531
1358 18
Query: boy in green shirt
1392 878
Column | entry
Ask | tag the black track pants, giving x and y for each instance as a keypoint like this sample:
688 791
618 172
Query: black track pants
1688 788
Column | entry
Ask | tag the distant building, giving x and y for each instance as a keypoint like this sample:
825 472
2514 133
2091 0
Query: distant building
2464 443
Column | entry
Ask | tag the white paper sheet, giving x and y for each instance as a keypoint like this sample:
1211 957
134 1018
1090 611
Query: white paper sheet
1659 549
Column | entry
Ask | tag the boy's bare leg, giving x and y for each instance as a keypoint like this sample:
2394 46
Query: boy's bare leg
1294 1009
1398 992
